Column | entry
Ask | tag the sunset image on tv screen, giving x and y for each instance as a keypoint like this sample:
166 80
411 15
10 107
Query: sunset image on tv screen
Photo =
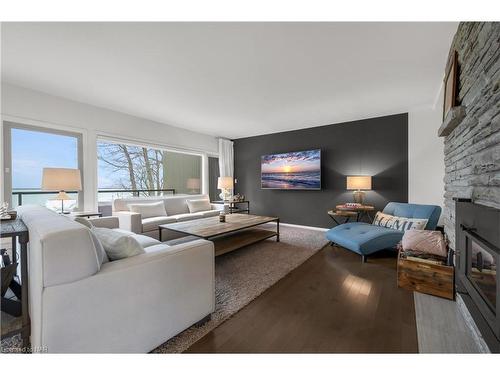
292 170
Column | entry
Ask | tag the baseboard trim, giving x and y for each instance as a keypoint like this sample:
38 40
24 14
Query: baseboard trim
305 227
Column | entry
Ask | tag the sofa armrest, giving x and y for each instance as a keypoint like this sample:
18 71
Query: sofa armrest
110 222
217 206
131 221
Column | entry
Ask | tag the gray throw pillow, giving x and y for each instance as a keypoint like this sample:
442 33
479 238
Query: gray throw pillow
118 245
84 221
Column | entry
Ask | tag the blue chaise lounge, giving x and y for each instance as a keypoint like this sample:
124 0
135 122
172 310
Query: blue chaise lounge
366 239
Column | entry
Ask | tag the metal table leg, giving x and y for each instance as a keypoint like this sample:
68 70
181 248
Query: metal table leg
26 328
14 253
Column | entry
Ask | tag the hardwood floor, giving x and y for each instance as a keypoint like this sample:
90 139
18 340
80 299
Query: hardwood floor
331 304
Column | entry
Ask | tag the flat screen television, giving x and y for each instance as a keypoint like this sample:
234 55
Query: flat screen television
299 170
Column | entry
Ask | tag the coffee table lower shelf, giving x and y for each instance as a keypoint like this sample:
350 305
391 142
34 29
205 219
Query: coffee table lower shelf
229 242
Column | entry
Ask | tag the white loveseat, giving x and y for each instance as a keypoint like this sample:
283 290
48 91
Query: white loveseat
176 208
78 304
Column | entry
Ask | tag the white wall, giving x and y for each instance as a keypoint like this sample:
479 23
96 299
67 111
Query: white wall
425 157
39 109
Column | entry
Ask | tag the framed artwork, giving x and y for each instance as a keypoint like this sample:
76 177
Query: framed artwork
450 84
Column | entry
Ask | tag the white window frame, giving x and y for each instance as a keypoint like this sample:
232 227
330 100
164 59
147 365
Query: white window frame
7 127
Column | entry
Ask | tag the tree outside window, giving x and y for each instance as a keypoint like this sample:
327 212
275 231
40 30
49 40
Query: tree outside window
128 167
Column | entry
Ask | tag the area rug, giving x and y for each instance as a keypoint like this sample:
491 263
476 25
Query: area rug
241 276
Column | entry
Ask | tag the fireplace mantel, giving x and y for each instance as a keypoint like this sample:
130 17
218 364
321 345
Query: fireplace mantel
453 119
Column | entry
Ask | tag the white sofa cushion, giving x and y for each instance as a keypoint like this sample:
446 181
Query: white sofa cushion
148 209
174 204
145 241
152 223
209 213
177 205
159 247
197 205
186 217
118 245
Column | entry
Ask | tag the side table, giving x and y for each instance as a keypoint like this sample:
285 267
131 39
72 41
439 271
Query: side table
17 230
87 214
335 215
361 211
233 206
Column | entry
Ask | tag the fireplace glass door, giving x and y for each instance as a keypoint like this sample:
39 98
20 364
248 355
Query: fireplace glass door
482 272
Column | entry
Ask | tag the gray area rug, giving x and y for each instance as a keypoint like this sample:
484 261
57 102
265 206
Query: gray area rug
240 277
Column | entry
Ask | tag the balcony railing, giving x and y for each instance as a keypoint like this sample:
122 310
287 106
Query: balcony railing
120 193
19 194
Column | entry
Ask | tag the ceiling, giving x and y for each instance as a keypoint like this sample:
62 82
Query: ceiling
233 79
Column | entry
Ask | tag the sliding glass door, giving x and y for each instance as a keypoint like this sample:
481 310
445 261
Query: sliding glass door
29 149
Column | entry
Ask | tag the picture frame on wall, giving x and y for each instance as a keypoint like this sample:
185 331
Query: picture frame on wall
450 83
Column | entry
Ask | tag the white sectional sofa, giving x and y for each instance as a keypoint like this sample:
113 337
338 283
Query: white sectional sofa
176 208
80 303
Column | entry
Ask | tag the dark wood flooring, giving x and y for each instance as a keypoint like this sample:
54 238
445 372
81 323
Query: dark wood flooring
330 304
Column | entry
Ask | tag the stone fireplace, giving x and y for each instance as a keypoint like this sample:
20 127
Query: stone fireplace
471 134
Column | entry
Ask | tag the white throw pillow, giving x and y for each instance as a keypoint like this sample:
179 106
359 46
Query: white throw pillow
399 223
148 209
197 205
117 245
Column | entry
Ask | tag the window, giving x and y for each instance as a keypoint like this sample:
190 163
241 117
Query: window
136 170
30 149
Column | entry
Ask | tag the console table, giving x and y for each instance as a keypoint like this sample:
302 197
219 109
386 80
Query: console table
17 231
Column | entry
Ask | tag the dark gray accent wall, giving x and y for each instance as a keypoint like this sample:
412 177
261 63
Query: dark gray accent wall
377 147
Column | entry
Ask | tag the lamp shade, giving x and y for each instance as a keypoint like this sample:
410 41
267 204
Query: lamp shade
61 179
359 182
225 183
193 183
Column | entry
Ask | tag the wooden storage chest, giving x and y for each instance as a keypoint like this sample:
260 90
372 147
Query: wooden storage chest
434 279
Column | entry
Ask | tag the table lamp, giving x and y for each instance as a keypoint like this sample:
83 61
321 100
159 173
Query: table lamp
61 179
193 184
226 185
358 183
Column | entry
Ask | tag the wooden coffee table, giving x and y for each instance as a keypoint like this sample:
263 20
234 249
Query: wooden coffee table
238 231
